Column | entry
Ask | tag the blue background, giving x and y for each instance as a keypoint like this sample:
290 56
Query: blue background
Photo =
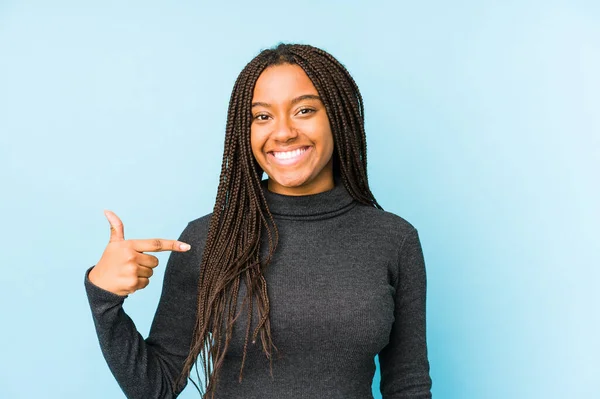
483 131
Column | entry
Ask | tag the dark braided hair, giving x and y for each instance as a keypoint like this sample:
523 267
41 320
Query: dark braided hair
241 218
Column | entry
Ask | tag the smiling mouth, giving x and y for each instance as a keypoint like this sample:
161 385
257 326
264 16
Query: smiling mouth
288 157
289 154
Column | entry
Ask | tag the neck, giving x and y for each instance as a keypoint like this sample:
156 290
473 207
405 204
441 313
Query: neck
320 205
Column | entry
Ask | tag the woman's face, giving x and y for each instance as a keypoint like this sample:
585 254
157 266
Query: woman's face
290 134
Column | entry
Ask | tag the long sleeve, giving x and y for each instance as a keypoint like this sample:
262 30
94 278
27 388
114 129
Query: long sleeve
149 368
404 361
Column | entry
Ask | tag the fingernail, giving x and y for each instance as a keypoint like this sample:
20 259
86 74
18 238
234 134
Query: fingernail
185 247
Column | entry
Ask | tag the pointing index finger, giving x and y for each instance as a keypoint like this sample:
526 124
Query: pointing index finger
159 245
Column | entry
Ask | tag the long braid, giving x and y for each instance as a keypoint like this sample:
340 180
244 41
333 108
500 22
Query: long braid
241 218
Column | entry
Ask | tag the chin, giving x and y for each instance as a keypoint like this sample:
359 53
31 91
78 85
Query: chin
289 182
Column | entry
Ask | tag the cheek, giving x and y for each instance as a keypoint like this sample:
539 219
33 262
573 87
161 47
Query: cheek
330 140
327 140
319 131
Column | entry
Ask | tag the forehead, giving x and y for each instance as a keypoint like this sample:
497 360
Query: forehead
281 83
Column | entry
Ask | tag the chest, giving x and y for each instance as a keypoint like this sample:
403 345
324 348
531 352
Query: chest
330 289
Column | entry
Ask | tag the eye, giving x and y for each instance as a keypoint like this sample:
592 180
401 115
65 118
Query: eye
305 111
261 117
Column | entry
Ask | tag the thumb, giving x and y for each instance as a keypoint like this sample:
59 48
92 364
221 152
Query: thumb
117 232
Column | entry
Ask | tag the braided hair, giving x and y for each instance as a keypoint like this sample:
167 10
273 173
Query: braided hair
241 218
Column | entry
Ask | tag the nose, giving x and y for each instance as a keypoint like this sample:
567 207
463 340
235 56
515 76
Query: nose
284 130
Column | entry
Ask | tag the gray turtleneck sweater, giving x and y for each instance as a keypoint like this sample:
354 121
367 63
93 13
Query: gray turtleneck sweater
347 283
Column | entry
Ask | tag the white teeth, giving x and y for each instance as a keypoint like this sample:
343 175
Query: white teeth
288 154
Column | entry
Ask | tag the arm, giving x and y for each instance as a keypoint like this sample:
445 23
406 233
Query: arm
404 362
149 368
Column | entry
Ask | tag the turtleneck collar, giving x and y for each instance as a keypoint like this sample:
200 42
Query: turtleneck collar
313 206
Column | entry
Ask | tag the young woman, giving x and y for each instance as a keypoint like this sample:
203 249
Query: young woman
330 280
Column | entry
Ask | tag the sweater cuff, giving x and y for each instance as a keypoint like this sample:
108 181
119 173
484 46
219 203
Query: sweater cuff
97 295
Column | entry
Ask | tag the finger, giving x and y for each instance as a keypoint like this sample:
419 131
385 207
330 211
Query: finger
117 232
159 244
145 272
146 260
142 283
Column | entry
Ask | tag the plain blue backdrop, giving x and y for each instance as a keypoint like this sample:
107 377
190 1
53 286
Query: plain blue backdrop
483 131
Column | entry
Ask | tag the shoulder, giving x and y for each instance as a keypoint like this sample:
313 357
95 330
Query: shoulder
201 223
386 221
197 229
382 231
185 264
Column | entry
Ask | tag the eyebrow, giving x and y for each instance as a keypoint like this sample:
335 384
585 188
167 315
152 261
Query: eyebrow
294 101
